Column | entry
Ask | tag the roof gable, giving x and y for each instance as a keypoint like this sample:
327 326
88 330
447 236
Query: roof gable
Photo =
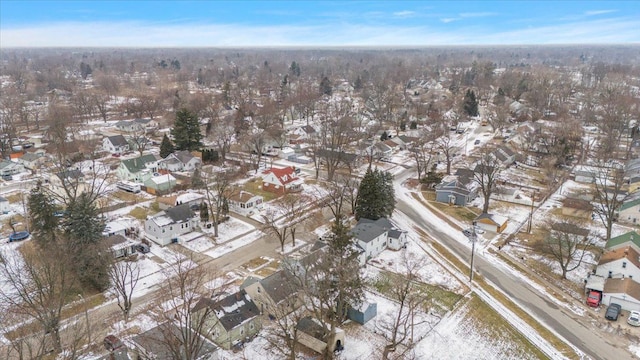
232 310
180 213
628 253
284 175
631 236
118 140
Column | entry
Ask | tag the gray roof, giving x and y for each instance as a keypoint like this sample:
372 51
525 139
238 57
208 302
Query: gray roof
346 158
310 326
114 240
180 213
454 186
231 311
142 121
69 174
3 199
154 342
366 229
30 157
118 140
279 286
184 156
393 233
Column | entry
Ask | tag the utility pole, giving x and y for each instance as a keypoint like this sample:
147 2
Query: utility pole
531 211
473 250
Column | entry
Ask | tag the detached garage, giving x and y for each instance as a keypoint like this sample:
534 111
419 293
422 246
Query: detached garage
625 292
492 222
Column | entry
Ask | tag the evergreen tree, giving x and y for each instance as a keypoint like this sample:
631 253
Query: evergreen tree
42 217
470 104
325 86
166 147
204 212
376 196
186 131
83 228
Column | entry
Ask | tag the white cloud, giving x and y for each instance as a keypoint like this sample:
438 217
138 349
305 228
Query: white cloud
598 12
404 13
140 34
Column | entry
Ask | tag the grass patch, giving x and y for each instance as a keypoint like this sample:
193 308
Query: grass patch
265 271
437 298
255 262
461 213
139 213
429 195
14 198
560 345
255 187
125 196
493 327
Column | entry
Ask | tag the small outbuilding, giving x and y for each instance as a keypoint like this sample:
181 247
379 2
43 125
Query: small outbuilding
363 313
492 222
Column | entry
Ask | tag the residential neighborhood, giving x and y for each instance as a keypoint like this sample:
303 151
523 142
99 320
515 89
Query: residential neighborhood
222 203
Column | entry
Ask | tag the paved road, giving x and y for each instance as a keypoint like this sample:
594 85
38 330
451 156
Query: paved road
588 339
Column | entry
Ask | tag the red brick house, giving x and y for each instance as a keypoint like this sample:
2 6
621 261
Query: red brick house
281 180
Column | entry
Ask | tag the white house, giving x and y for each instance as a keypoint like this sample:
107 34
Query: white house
4 205
281 180
620 263
119 245
116 144
629 211
10 168
286 152
180 161
68 180
624 292
374 236
245 203
137 125
189 198
138 169
164 227
32 161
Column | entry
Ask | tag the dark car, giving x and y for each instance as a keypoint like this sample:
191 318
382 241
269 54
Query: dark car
613 311
142 248
112 343
467 232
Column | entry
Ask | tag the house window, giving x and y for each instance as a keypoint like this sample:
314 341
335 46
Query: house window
610 273
624 264
241 331
163 231
242 206
251 326
171 228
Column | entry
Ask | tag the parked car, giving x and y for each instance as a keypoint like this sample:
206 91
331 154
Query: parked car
477 142
467 232
634 318
142 248
112 343
594 298
613 311
479 230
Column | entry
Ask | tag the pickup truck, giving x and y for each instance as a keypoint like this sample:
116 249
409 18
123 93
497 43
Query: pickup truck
594 298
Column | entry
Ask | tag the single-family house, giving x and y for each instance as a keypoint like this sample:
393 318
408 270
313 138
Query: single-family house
68 180
138 169
8 168
245 203
180 161
165 226
32 160
4 205
372 236
455 192
119 245
301 134
381 150
314 336
137 125
348 160
504 155
492 222
115 145
629 239
577 208
629 211
281 180
189 198
634 184
624 292
620 263
230 321
162 342
286 153
275 295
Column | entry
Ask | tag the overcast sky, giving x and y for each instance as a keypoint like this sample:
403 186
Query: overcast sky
315 23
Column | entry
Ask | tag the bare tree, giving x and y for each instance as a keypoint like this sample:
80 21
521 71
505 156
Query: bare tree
447 147
37 287
124 277
179 326
218 189
608 187
567 243
273 220
411 300
485 174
